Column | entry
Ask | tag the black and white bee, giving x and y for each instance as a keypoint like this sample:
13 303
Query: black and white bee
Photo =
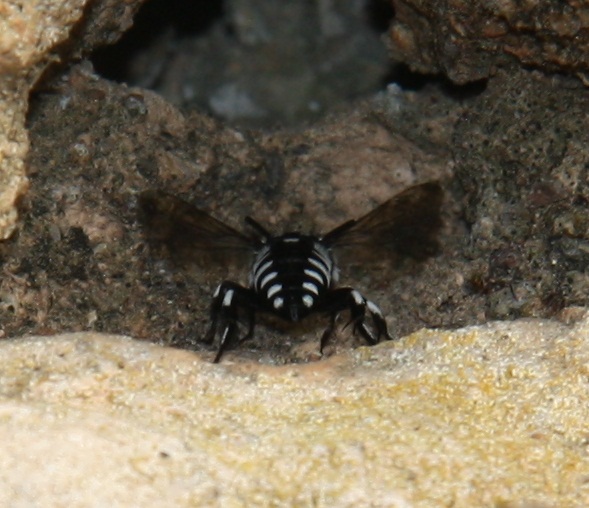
293 275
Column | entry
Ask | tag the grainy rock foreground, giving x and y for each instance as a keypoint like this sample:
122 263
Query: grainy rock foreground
495 415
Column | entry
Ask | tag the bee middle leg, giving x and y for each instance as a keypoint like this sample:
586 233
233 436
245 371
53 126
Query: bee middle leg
228 298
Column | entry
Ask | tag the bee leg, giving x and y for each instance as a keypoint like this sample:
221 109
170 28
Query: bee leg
378 320
328 331
215 311
348 298
251 317
358 307
228 298
214 318
227 337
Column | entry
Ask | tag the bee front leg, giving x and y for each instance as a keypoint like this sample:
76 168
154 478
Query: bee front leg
228 298
349 299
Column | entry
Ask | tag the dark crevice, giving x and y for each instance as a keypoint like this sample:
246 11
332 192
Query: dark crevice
380 13
409 80
180 17
260 63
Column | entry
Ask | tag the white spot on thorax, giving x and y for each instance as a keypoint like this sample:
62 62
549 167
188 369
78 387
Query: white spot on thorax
291 240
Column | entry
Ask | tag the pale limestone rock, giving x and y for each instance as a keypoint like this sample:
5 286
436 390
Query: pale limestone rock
494 415
28 32
31 33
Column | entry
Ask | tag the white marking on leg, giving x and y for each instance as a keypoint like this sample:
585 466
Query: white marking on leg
372 307
309 286
314 275
217 291
358 298
228 297
225 333
308 301
268 278
278 303
273 290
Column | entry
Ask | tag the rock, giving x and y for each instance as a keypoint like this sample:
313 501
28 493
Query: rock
467 41
83 259
520 155
491 415
30 40
254 63
494 415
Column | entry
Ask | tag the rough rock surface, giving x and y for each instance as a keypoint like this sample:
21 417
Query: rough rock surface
467 41
27 33
32 36
494 415
521 157
514 245
82 261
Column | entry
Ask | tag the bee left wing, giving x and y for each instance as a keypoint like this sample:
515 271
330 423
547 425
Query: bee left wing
189 231
408 224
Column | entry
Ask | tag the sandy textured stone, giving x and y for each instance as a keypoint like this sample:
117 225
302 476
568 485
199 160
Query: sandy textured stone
484 416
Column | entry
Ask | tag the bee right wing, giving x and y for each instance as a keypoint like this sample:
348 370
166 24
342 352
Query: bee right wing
189 232
407 224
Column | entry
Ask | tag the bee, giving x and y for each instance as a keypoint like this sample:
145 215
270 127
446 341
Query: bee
293 275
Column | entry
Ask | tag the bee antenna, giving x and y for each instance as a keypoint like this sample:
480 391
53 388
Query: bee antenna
261 230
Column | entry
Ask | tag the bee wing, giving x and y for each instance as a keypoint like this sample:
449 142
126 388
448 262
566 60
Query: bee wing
408 224
190 232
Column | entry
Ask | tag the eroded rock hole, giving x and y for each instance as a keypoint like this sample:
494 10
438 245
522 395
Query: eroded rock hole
254 62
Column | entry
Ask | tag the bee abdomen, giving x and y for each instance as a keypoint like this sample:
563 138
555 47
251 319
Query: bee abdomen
291 274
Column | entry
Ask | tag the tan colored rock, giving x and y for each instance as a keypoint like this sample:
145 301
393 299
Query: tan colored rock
30 36
485 416
28 32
